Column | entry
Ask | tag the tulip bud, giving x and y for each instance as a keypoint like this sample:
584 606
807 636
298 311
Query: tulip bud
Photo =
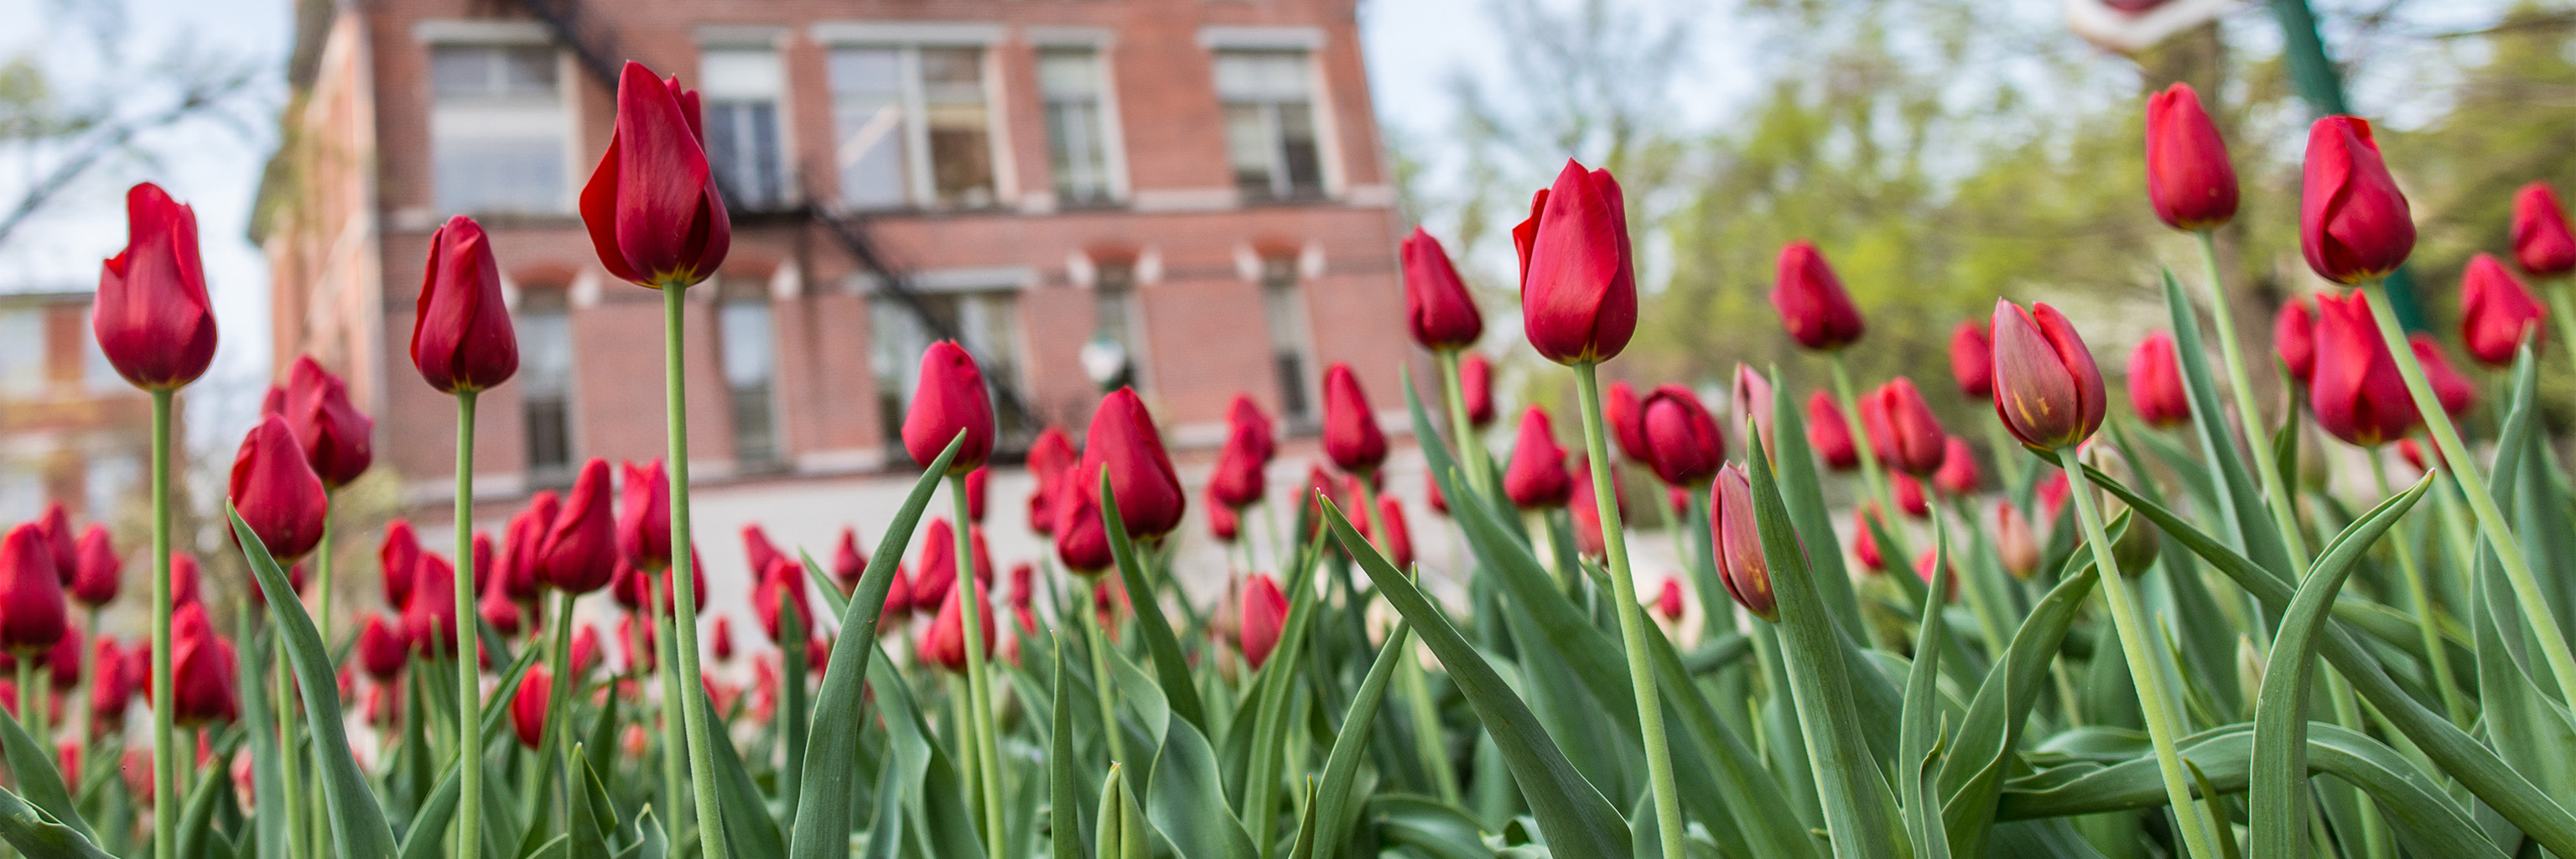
1578 277
1536 478
782 590
1245 413
1124 443
1668 600
183 579
2047 389
335 435
2014 544
2053 492
2294 337
2155 382
1902 429
1749 398
2496 312
2415 455
1681 437
1958 474
202 671
277 493
152 317
1431 494
1909 496
2188 175
975 493
1239 478
2134 543
1351 435
1736 539
848 563
32 614
55 530
1972 360
1437 306
110 688
429 618
1625 415
2353 221
1050 456
1265 616
96 572
1923 568
944 644
2357 393
525 540
528 706
578 554
396 557
1397 542
1830 433
1476 386
1081 536
2457 394
461 338
1223 523
1811 301
757 549
496 609
1864 538
2541 242
949 399
654 216
1584 508
585 651
644 516
382 648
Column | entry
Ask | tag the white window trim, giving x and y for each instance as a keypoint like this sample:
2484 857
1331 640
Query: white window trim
908 39
1113 132
474 33
1319 98
471 31
773 40
951 34
1236 38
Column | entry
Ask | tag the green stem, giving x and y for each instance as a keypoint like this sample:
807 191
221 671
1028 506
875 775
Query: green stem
1980 599
979 690
2426 622
2284 505
165 748
655 639
2564 312
2008 452
558 662
28 701
1632 617
313 831
288 767
693 716
1428 740
1100 678
469 669
1872 472
1471 450
2126 615
2455 456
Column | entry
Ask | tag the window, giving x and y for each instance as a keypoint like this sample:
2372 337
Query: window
988 324
22 352
1077 125
1270 124
742 89
1114 317
1286 310
97 374
107 481
22 490
498 137
750 369
544 322
912 127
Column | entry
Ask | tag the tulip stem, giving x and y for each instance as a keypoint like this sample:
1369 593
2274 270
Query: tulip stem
165 750
2128 618
288 768
1428 739
2455 456
2562 310
28 699
979 690
675 744
1632 617
2285 506
1872 472
1471 451
693 715
1100 680
2426 623
469 669
560 689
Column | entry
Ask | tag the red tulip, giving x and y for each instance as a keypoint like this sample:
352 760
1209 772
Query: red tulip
1958 474
1972 360
782 589
1351 434
939 564
1124 443
2294 337
1668 600
949 399
1431 493
96 572
202 671
461 338
975 494
1585 509
32 614
1223 523
63 664
1240 477
1578 278
585 650
1081 537
1322 487
652 208
1243 412
1050 456
1625 414
496 609
1265 617
382 647
579 553
1749 399
1923 570
2496 312
2155 382
152 318
1909 495
2541 242
848 563
110 686
644 516
1476 386
2188 175
899 601
1681 437
528 706
1902 429
757 550
277 493
55 529
525 539
429 618
635 644
2047 389
183 579
1864 540
2416 455
1023 593
482 569
2014 544
2353 221
1736 539
721 637
335 435
1436 303
1536 478
2357 393
2456 393
1811 301
1397 540
1830 433
2053 493
944 643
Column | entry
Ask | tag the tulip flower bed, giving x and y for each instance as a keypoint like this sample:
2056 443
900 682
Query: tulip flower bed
2145 635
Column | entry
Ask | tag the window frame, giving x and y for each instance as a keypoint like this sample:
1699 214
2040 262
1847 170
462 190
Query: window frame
908 40
437 35
1115 190
751 293
790 191
529 303
1310 44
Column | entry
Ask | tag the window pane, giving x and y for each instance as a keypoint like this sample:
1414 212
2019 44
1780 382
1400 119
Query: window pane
742 146
1077 147
1285 310
22 352
497 130
740 75
499 175
1250 147
743 331
867 118
545 380
961 148
1298 156
460 71
527 70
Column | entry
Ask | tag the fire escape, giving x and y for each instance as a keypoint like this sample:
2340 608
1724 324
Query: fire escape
598 54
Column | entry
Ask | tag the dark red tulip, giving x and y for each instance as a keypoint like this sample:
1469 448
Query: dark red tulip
2496 312
2189 177
652 208
1536 478
975 494
2541 242
939 564
202 671
63 663
2155 382
644 515
1265 616
382 647
2354 224
1578 278
944 643
152 317
1240 478
1022 593
1321 487
1396 541
2294 338
1902 429
848 562
1864 540
1476 386
757 550
397 557
429 619
636 645
482 569
2357 393
1972 360
1081 537
1431 494
32 613
1909 495
1681 437
183 579
1223 523
1244 412
585 650
496 609
1625 414
2053 493
1958 474
55 527
1050 456
336 436
579 553
96 577
1749 399
1437 306
949 399
461 338
1124 443
1829 432
528 706
1811 301
525 541
1585 509
2014 544
1351 434
782 589
2457 394
110 688
2047 389
1737 542
277 493
1668 600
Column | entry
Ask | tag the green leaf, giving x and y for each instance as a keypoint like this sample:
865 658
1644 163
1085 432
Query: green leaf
1187 802
2239 502
934 792
33 772
1420 824
1795 469
1919 744
197 815
268 778
1170 668
39 835
825 816
358 828
1327 824
1972 778
1063 824
584 828
1123 834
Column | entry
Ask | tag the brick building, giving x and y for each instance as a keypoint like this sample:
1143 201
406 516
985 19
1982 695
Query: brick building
71 429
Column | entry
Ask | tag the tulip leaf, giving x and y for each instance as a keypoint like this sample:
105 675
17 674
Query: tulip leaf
1326 827
584 826
934 792
1794 464
1578 822
826 814
1170 669
1187 799
746 816
2239 502
1919 743
197 815
358 828
40 835
1063 825
267 777
1972 778
33 772
1123 833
